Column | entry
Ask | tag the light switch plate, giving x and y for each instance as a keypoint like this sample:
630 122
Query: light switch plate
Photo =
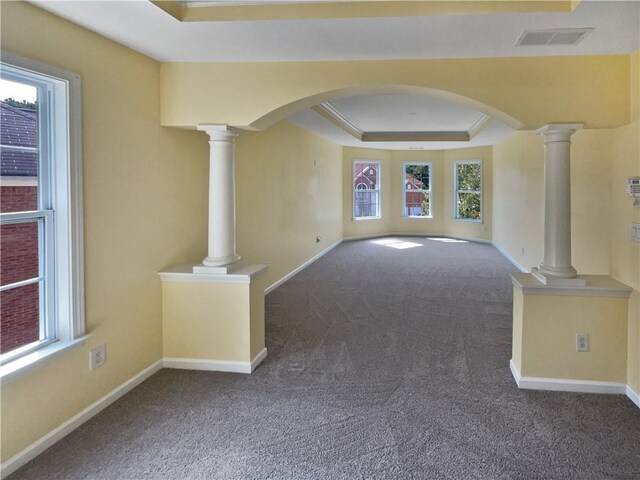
635 232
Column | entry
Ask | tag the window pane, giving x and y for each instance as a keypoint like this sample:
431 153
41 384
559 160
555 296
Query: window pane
365 176
18 147
20 317
469 206
18 252
417 177
469 177
366 204
417 204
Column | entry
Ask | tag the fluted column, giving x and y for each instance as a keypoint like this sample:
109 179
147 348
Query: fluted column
556 266
221 254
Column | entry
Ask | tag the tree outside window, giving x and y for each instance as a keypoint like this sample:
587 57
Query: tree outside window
468 185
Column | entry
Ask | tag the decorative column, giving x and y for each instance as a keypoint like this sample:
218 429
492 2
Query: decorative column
556 268
221 255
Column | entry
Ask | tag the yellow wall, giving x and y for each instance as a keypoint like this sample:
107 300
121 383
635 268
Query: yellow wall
442 221
518 90
145 197
518 189
601 211
625 255
548 345
283 201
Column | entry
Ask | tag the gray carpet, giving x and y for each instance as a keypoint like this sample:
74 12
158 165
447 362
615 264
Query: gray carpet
383 363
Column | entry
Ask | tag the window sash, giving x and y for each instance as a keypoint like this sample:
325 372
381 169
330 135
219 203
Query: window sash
59 203
405 190
372 192
45 279
457 192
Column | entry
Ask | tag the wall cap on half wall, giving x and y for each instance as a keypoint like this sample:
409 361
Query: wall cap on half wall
244 274
596 286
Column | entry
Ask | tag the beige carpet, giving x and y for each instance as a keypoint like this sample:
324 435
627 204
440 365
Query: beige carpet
385 361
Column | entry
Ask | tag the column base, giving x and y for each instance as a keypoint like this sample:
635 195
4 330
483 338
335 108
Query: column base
219 270
554 280
219 265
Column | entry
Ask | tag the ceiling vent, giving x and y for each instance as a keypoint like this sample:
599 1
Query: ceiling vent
561 36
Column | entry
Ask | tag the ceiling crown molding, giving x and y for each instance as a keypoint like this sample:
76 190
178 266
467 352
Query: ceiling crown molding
335 116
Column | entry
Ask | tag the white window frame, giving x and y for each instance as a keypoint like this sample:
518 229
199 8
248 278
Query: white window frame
456 191
405 190
59 214
378 188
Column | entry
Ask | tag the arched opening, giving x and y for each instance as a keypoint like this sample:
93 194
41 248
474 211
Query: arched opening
286 110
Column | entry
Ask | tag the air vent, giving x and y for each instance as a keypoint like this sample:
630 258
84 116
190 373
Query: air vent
562 36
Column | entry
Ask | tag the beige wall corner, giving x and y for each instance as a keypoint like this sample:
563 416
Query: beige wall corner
288 193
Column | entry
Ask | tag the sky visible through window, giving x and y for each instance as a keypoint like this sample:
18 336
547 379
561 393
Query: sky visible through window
17 91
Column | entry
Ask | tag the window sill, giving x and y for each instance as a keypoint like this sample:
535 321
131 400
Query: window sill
359 219
465 220
410 217
23 365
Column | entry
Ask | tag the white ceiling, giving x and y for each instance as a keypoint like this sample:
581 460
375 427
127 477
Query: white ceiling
401 113
147 29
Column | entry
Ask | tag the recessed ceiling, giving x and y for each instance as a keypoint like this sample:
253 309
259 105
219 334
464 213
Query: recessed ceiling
150 30
405 115
400 113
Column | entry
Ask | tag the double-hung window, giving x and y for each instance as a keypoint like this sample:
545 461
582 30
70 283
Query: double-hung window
468 190
41 269
366 189
416 189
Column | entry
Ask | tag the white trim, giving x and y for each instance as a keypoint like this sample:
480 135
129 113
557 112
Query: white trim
245 275
378 189
509 257
29 453
633 395
276 284
215 365
403 200
456 191
565 384
594 286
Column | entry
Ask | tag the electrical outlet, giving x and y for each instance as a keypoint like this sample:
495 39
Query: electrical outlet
522 250
582 342
318 239
98 357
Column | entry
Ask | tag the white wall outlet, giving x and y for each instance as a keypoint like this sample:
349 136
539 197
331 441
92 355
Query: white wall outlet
582 342
98 357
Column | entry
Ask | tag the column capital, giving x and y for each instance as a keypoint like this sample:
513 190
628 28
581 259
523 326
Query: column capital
220 133
558 132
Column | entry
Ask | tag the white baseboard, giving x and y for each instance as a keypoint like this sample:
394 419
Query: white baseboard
275 285
509 257
26 455
633 396
565 385
215 365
